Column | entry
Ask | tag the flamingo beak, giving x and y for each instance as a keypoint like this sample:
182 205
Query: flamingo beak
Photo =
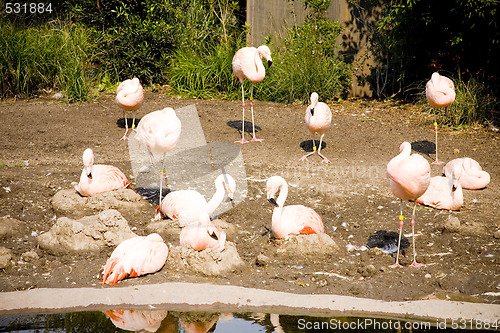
312 111
446 111
269 63
273 201
213 235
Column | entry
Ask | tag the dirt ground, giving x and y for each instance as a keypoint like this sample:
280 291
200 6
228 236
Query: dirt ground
42 141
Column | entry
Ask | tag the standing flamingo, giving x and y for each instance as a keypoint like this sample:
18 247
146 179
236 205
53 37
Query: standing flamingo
203 234
444 192
129 97
318 119
294 219
99 178
471 175
440 93
159 131
189 204
134 257
247 64
409 177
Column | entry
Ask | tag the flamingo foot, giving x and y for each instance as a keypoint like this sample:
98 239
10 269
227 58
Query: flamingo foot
395 265
242 141
325 160
437 162
303 158
254 139
416 264
124 137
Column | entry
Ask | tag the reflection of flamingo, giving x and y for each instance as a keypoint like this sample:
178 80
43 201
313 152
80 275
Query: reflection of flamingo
440 93
203 234
409 177
247 64
189 203
129 97
159 131
318 119
134 257
136 320
294 219
470 173
99 178
444 192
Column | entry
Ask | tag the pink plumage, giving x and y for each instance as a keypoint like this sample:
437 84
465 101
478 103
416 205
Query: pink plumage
134 257
129 97
409 174
137 320
99 178
203 234
439 91
444 192
290 220
318 118
247 64
469 172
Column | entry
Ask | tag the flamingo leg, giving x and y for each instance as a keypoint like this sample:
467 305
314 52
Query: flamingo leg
243 122
414 262
162 176
401 219
325 160
254 139
133 121
437 161
303 158
124 137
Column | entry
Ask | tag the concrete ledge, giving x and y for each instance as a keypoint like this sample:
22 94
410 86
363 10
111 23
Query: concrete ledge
219 298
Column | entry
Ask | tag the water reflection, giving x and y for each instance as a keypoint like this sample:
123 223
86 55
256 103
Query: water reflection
163 321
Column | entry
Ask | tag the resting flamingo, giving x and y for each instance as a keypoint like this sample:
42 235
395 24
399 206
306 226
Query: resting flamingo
444 192
294 219
471 175
247 64
159 131
318 119
203 234
409 177
99 178
129 97
134 257
440 93
188 204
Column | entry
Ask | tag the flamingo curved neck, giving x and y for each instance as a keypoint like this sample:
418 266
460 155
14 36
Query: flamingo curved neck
217 197
283 188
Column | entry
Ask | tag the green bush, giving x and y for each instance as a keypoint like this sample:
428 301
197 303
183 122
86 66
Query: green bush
306 63
47 57
473 105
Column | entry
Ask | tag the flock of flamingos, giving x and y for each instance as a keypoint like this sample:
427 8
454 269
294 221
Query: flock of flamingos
159 131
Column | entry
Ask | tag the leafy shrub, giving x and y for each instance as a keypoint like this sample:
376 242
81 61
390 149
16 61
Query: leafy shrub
473 105
47 57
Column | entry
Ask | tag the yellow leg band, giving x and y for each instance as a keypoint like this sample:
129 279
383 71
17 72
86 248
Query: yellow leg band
401 217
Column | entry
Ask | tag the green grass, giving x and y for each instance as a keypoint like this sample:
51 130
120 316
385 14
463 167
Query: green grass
53 56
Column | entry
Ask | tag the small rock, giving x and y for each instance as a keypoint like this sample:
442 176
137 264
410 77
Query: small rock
262 260
29 256
497 234
427 276
452 224
456 151
367 271
58 96
10 227
5 257
376 251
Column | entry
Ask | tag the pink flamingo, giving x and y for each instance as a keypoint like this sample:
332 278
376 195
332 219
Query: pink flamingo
203 234
137 320
470 173
294 219
409 177
129 97
440 93
134 257
99 178
189 204
247 64
159 131
444 192
318 119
